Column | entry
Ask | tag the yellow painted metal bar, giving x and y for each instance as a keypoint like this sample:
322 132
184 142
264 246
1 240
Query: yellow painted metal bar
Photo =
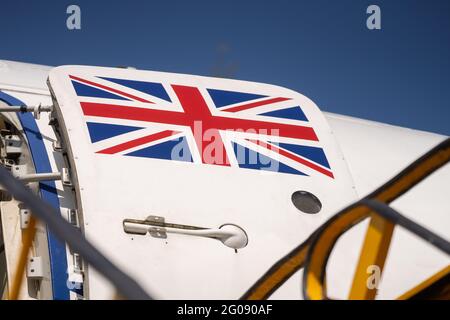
278 275
425 284
319 253
375 246
27 241
379 234
373 253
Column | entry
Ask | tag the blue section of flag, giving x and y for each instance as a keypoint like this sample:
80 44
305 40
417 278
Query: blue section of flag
312 153
223 98
102 131
176 149
251 159
294 113
151 88
88 91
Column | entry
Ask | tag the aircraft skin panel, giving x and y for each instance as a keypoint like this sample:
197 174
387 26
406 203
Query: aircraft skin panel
196 193
25 77
390 147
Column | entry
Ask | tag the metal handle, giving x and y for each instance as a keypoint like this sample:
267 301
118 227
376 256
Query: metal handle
35 109
230 235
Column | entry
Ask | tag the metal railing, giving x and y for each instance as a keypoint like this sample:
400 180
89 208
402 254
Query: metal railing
312 255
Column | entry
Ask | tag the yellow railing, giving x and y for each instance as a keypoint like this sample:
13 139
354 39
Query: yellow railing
19 272
313 254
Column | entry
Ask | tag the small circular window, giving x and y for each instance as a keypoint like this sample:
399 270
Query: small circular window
306 202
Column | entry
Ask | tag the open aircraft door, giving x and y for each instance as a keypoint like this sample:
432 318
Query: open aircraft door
195 186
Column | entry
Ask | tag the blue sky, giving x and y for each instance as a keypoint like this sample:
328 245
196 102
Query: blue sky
399 74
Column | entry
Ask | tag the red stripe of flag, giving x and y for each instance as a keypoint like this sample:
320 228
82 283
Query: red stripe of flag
109 89
293 157
183 119
137 142
254 104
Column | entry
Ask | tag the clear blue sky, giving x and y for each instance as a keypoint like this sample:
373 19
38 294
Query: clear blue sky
399 75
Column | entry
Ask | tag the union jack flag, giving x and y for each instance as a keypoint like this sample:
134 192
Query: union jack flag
179 122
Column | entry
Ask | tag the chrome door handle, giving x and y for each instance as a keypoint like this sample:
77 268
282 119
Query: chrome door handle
230 235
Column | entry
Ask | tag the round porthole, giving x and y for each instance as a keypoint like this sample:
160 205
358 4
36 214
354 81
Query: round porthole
306 202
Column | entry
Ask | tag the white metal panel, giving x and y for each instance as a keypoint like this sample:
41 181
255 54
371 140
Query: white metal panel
376 151
25 77
115 187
